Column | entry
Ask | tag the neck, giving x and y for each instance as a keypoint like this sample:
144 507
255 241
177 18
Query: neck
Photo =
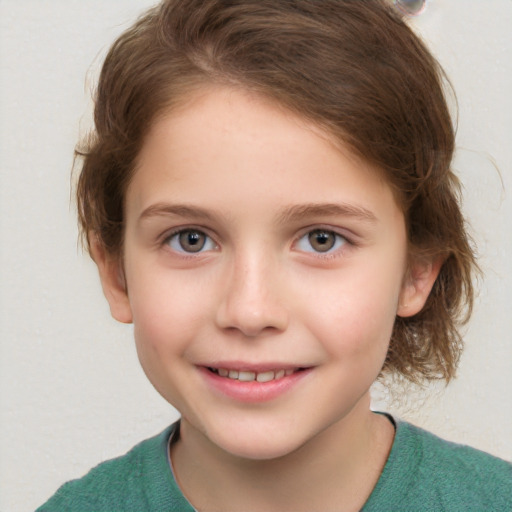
340 465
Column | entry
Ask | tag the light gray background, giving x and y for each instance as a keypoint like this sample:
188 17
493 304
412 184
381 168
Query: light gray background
72 393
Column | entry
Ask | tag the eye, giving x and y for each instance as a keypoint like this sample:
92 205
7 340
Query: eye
321 241
190 241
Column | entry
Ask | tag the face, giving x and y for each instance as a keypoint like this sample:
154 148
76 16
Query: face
263 270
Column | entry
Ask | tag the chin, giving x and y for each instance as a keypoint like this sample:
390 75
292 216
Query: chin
256 451
262 445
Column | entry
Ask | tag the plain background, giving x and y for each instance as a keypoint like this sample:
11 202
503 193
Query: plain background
72 393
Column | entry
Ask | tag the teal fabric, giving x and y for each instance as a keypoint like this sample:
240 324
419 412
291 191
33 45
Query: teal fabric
139 481
423 473
426 473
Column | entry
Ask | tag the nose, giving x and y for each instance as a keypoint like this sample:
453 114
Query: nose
252 301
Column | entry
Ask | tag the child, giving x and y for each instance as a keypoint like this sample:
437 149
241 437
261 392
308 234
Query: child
268 198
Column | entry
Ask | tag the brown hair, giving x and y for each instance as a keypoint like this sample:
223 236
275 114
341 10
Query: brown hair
354 68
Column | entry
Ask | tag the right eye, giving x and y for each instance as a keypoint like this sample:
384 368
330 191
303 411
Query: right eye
190 241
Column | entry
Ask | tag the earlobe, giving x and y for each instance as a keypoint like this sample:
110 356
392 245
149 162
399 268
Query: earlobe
112 281
417 286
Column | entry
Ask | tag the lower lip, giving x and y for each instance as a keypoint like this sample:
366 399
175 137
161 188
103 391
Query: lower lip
254 391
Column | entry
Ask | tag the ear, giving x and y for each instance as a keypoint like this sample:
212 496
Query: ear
112 281
417 285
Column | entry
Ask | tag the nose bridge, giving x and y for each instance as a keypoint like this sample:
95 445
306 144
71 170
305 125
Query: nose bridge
252 300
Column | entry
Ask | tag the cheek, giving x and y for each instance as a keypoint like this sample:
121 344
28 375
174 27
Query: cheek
355 312
166 324
167 311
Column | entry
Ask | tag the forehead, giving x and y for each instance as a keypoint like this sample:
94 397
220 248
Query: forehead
230 144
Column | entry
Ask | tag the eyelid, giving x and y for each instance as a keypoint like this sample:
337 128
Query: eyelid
347 234
348 237
169 234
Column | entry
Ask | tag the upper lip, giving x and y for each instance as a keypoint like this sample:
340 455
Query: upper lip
253 367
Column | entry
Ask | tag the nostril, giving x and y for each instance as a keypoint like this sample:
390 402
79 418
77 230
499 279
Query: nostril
252 322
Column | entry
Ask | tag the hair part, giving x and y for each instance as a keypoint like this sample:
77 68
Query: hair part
353 68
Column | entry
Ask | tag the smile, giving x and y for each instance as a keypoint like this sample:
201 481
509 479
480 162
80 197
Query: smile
249 376
252 384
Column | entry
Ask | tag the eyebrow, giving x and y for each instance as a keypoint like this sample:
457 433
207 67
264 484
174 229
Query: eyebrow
301 212
295 213
180 210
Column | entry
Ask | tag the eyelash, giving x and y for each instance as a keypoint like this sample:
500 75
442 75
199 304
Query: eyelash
167 240
341 240
308 237
347 242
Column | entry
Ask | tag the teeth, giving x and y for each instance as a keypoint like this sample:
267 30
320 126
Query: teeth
265 376
247 376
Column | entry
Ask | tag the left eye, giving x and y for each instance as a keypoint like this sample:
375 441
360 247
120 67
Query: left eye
321 241
190 241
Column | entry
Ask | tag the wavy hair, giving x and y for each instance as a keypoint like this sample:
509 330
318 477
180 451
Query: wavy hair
355 69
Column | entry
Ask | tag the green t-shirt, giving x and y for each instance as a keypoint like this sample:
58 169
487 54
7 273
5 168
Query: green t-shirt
423 473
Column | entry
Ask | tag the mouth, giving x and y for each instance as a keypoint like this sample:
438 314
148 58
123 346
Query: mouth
250 383
255 376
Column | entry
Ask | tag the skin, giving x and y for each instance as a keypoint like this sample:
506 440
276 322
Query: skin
257 181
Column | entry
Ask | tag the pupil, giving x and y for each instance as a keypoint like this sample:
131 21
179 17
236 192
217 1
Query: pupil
321 241
192 241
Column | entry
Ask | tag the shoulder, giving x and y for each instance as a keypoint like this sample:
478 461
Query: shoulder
466 466
425 472
130 482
